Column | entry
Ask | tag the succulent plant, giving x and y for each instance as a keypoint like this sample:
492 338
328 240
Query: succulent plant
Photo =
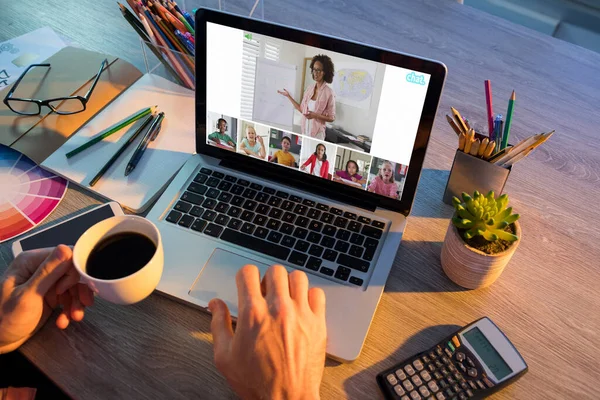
485 216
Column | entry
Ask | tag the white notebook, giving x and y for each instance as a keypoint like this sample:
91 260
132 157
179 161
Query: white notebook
161 160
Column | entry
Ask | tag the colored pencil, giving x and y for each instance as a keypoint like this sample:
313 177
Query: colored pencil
110 131
488 102
453 125
459 120
110 162
509 115
154 50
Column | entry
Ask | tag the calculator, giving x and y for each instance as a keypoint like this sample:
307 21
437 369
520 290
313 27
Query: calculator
472 363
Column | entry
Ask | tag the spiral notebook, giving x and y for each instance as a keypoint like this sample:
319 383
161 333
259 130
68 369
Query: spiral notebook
163 158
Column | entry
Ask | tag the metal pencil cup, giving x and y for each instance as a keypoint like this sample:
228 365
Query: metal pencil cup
471 173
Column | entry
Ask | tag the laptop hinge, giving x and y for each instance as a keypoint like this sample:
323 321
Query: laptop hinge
331 193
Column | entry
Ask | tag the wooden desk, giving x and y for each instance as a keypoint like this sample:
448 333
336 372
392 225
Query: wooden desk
546 301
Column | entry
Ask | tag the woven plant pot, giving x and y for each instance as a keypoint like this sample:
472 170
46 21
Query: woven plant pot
472 268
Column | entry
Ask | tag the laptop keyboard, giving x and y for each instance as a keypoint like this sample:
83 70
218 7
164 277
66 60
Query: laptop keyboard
300 232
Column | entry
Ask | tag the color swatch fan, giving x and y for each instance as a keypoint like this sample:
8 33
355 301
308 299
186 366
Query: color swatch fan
28 194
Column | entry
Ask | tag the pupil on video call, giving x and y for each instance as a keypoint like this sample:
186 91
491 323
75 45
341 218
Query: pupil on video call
318 102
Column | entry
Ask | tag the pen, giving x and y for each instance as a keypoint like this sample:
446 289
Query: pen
509 114
110 131
488 103
139 151
110 162
161 116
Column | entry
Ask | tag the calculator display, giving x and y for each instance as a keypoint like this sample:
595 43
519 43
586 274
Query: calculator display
487 353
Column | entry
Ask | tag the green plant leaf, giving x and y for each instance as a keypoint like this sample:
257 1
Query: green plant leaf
506 236
466 197
462 223
490 236
512 218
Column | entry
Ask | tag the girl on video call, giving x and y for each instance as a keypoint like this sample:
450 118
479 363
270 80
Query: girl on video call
283 156
319 166
253 144
350 174
384 183
318 101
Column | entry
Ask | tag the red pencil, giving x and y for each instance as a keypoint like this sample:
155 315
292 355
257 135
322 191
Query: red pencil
490 112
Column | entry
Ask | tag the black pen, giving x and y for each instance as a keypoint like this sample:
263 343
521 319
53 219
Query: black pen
150 136
121 150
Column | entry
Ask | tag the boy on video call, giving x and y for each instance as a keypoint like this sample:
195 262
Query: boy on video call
284 157
219 136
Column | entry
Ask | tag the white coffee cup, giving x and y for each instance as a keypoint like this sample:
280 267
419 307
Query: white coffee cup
134 287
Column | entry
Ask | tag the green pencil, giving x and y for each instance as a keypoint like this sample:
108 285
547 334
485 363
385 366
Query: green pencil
110 131
509 114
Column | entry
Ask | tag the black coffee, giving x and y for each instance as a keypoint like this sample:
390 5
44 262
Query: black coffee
120 255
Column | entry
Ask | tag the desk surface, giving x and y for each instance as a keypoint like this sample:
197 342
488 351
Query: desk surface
546 301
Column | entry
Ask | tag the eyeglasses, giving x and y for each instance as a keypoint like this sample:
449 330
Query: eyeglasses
316 70
61 105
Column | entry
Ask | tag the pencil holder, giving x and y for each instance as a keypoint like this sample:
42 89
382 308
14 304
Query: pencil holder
167 63
471 173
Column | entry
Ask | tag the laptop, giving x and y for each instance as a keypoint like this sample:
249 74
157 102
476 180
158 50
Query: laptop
309 149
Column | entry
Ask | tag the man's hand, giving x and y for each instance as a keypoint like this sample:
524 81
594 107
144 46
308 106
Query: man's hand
278 348
34 284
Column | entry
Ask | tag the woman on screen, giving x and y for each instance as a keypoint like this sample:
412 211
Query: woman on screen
384 183
319 166
318 101
253 144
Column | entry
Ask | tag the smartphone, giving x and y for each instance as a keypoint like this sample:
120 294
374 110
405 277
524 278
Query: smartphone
68 231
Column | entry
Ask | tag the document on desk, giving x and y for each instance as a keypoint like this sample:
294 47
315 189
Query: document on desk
162 159
32 48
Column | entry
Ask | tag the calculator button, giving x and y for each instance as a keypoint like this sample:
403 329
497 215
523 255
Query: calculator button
469 393
471 363
460 356
448 352
446 360
425 375
438 364
437 375
450 380
464 385
462 367
440 396
409 370
439 351
449 392
400 374
417 380
488 382
443 384
431 367
462 396
392 379
451 367
418 365
473 385
424 391
458 377
472 372
414 395
399 390
455 341
405 397
433 386
445 372
451 347
480 384
456 387
408 385
432 355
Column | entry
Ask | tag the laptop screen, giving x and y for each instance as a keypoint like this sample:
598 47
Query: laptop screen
341 118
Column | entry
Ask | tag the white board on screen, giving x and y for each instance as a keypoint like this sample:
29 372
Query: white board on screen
270 107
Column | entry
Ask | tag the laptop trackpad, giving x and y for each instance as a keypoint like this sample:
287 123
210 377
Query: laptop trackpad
217 278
